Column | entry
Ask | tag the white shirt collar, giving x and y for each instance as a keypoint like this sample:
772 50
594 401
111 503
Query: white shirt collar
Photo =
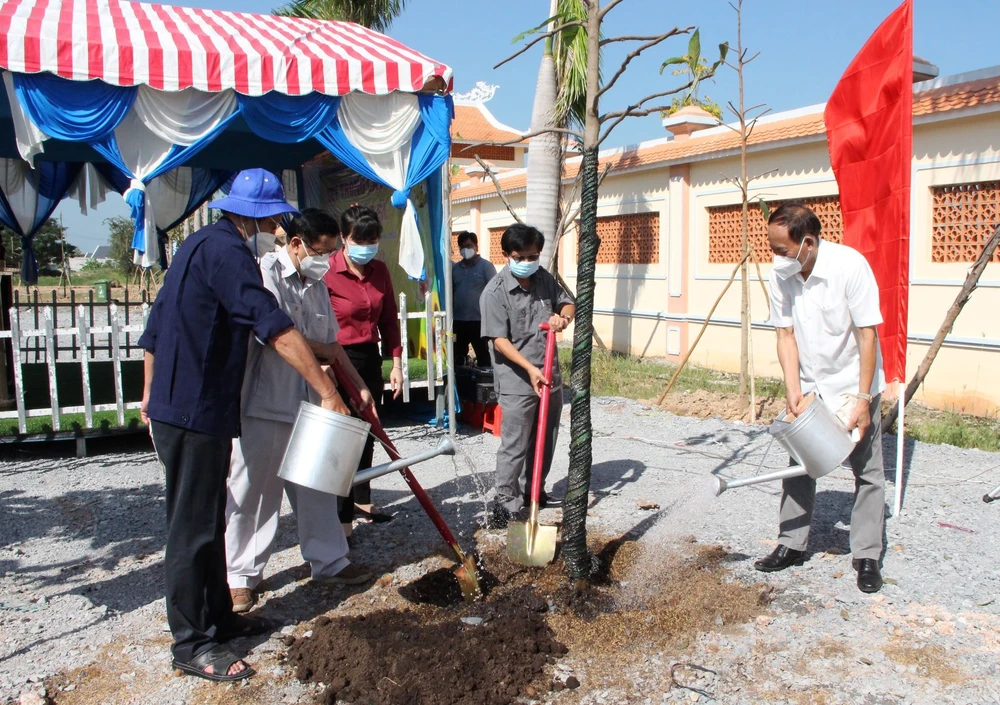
287 266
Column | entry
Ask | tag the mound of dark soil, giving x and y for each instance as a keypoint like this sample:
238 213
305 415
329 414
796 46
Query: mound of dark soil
396 657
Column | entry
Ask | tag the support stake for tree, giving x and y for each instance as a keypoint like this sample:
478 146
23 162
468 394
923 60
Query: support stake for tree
971 281
708 319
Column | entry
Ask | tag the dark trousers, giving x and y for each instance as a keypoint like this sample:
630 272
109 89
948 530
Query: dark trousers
198 601
367 360
468 333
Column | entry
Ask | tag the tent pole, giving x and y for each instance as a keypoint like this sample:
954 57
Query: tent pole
449 303
898 505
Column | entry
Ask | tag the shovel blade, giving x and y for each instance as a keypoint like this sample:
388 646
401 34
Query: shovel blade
542 549
468 579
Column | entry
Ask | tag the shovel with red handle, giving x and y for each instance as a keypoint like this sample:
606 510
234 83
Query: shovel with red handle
465 572
528 542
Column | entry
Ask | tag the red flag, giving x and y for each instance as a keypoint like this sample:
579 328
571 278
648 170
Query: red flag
869 125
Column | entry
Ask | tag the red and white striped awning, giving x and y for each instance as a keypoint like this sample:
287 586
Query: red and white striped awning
171 48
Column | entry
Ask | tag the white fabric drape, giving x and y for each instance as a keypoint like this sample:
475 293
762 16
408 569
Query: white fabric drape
89 190
169 194
20 188
382 127
26 133
158 121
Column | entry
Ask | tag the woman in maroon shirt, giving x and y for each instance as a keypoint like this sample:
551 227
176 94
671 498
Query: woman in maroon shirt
365 306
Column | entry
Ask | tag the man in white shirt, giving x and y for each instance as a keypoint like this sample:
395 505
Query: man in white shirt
825 307
270 399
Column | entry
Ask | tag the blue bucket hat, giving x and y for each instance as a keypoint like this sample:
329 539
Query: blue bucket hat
255 193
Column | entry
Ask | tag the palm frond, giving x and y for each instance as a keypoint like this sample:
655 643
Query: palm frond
570 53
377 15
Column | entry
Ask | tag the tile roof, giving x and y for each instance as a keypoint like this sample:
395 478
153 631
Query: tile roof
475 123
799 124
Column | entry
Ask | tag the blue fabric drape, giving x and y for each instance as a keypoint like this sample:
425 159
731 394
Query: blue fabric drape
281 118
136 199
51 181
75 111
430 148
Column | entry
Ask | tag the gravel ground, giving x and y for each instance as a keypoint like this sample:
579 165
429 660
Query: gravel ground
81 571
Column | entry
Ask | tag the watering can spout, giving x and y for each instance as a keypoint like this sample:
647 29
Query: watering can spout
444 447
724 483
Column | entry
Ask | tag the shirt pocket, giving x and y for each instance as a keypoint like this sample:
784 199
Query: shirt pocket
836 317
318 327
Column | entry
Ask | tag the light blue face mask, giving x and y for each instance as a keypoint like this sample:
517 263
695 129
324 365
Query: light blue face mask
362 254
523 270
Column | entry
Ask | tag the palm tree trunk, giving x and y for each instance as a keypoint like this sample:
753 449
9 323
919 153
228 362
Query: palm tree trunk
574 550
544 156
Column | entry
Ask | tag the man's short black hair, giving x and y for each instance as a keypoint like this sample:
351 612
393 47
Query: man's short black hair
520 237
312 224
468 236
798 219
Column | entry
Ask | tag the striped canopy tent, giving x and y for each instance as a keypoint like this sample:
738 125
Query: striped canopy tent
169 101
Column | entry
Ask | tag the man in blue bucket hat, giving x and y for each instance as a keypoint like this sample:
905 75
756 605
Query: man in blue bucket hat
196 342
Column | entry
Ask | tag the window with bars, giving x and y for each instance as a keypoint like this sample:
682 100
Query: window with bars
484 151
496 253
963 219
725 227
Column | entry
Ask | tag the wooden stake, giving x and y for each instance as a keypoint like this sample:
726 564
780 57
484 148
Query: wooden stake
949 321
704 325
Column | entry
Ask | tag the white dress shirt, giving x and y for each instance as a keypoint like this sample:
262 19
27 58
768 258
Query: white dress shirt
272 389
826 311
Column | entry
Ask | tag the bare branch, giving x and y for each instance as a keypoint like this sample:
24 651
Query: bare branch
541 37
607 8
636 52
752 58
761 175
629 38
556 130
637 110
496 185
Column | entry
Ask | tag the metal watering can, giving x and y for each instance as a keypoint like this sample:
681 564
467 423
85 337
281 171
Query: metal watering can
325 447
817 440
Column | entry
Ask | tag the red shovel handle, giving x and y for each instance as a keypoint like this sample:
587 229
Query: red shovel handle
543 414
345 382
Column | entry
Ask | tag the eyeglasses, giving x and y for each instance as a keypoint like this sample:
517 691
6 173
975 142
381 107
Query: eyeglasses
525 258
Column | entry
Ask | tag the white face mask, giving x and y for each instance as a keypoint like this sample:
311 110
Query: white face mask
314 266
786 267
261 243
468 252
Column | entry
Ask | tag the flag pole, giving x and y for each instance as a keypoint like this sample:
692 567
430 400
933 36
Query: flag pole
900 422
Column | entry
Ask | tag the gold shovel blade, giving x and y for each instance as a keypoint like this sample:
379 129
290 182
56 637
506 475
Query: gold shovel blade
531 550
468 579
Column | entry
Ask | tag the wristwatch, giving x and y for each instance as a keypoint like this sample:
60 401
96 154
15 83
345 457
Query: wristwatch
866 397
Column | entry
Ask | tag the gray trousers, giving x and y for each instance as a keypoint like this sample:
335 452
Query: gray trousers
516 457
798 494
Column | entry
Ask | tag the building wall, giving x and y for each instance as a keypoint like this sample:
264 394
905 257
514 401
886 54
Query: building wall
657 309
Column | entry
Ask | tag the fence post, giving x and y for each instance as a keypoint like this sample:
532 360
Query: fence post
439 352
404 335
116 356
15 343
88 406
429 325
50 364
72 317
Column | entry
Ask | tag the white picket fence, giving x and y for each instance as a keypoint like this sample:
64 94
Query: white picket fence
82 335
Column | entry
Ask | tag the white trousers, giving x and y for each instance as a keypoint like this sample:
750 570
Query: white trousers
254 503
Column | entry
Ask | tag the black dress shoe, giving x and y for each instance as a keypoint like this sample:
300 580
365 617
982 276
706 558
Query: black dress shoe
869 575
780 558
546 501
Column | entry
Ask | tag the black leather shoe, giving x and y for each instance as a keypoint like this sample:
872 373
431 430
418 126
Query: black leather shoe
869 575
780 558
546 501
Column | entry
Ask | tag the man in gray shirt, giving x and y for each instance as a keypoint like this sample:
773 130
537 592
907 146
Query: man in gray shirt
514 304
469 277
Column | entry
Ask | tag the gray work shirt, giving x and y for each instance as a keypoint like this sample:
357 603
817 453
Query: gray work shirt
272 389
514 313
469 278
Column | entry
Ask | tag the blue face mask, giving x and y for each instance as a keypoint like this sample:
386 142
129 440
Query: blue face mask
362 254
523 270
